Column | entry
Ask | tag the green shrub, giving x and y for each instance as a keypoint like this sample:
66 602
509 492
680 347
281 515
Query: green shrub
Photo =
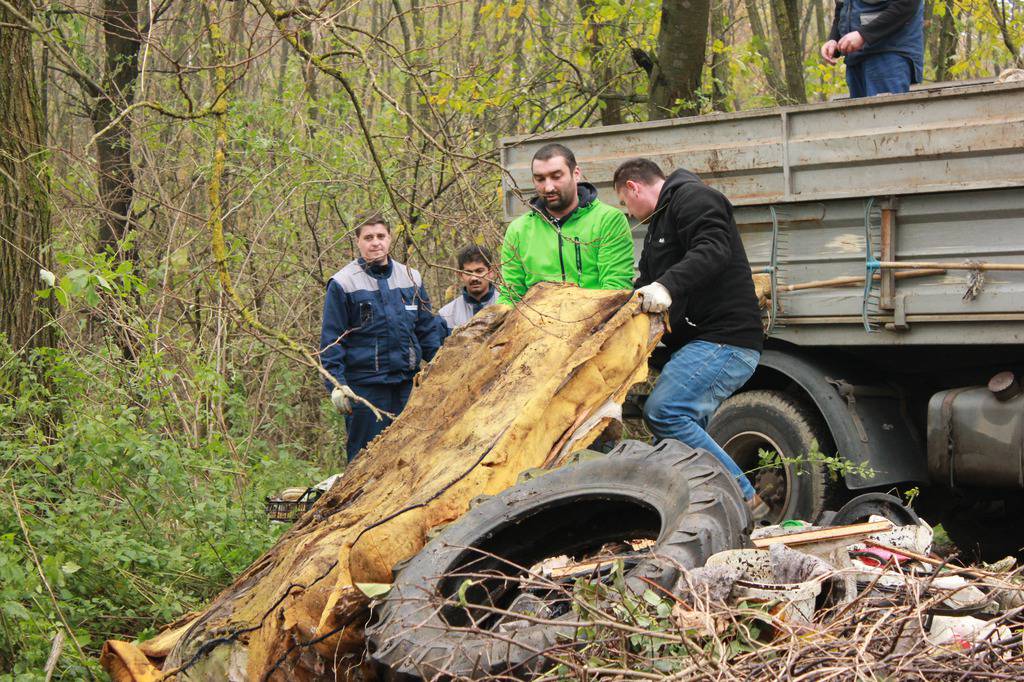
136 514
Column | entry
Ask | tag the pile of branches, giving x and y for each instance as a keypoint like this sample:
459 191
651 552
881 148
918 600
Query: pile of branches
868 638
625 634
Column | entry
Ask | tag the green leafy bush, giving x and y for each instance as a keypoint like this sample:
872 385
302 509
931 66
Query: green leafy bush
119 501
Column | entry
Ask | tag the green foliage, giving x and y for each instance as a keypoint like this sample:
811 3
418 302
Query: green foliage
93 276
638 632
835 465
986 19
940 538
134 520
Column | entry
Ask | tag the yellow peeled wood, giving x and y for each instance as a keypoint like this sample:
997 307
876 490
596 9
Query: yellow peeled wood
501 397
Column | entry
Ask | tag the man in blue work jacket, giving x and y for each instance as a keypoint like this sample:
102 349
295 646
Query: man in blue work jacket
377 327
882 42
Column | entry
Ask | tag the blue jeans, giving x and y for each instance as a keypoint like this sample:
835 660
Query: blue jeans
361 425
692 385
879 73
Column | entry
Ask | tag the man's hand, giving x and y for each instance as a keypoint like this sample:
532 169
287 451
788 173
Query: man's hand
654 298
343 397
829 52
851 42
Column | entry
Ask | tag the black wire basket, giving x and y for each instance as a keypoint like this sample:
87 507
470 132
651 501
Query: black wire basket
287 511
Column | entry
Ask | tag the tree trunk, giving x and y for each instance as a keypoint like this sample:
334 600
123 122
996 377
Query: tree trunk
721 88
946 41
114 143
282 69
601 72
1002 17
409 95
929 27
809 12
787 24
24 190
309 72
822 20
546 20
518 53
530 389
682 40
762 42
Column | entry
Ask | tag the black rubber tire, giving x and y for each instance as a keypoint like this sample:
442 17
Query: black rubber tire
864 506
681 497
773 420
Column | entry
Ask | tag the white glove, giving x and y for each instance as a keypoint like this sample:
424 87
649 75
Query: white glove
343 397
654 298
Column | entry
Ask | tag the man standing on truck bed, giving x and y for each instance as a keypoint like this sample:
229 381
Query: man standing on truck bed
569 235
694 266
882 41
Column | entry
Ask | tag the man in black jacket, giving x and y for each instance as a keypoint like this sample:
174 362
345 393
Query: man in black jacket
693 265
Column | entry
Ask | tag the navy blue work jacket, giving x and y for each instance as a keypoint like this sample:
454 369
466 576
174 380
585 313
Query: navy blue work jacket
377 324
907 40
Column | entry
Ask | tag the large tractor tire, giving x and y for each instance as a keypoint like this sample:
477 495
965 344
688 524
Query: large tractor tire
773 421
435 624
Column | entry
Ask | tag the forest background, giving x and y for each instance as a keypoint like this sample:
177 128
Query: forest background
178 179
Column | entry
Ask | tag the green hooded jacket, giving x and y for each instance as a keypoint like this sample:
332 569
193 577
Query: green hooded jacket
593 248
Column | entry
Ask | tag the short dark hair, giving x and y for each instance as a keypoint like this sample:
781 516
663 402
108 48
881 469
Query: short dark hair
473 253
371 219
553 149
637 170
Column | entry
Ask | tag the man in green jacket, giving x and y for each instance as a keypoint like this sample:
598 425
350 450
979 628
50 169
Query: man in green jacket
569 235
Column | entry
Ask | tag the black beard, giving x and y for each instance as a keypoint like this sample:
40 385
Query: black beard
559 204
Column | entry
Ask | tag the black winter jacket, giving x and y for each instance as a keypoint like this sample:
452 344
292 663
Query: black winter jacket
693 249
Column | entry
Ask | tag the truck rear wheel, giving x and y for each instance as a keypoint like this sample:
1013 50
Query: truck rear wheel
773 421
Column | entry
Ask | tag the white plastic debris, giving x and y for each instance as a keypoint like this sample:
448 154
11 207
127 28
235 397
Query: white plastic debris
916 538
961 594
327 483
787 578
964 631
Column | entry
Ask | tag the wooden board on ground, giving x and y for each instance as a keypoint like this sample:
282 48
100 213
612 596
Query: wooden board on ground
851 533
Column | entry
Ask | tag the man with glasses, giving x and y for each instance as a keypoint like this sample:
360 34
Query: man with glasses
477 274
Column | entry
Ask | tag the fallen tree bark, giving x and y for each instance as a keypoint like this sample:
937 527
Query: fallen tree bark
505 394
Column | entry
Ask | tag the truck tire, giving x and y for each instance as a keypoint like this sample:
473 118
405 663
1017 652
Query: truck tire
774 421
681 498
863 507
